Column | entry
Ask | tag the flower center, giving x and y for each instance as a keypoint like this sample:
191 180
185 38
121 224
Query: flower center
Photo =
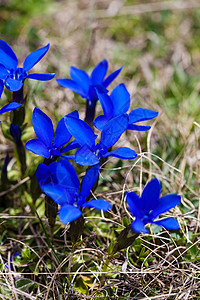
18 74
100 150
79 200
147 219
53 149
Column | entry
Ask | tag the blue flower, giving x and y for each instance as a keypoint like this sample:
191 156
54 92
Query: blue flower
11 75
44 144
118 103
9 107
60 182
149 206
84 85
89 153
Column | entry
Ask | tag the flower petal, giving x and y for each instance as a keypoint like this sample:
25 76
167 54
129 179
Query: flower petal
72 156
141 114
70 146
52 168
1 87
56 192
38 147
89 180
9 107
99 72
43 173
120 98
138 127
80 77
13 85
41 77
3 72
8 57
67 176
73 144
106 104
33 58
72 85
73 114
62 135
122 152
43 126
98 204
134 204
139 226
85 157
81 131
165 203
100 122
113 130
111 77
46 174
69 213
168 223
150 195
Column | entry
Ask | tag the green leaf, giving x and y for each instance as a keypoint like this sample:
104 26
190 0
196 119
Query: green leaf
81 287
26 253
24 284
125 221
27 134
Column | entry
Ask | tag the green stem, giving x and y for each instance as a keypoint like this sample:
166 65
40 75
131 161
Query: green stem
48 239
105 269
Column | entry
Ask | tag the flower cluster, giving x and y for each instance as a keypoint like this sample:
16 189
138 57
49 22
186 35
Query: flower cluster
56 175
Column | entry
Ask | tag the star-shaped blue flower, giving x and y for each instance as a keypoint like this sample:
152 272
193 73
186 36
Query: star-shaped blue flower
11 75
89 153
60 182
9 107
118 103
44 145
84 85
149 206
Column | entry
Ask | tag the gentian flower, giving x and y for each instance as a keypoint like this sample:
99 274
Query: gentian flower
9 107
90 154
118 103
11 75
84 85
149 206
60 182
44 144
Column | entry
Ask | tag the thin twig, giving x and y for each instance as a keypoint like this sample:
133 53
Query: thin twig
12 188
